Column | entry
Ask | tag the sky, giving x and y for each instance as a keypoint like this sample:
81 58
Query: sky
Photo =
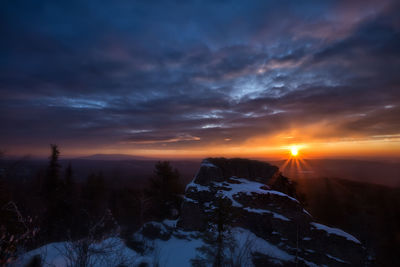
200 78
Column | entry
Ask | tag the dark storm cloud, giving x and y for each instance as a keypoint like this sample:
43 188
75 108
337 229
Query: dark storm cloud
189 72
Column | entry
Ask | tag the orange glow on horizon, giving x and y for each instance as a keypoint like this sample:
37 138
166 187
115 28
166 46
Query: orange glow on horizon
303 142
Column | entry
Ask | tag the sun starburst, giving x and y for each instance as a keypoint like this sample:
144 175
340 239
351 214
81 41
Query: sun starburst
294 151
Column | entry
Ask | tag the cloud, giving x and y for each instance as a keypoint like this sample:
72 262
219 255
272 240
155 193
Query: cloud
166 73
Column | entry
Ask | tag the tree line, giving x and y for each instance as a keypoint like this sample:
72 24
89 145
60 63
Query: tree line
54 206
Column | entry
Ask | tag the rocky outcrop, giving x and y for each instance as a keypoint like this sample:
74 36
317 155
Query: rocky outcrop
275 216
221 169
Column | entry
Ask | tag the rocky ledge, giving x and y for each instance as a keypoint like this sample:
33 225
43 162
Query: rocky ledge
264 202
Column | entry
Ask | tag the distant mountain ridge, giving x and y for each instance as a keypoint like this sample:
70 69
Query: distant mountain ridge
115 157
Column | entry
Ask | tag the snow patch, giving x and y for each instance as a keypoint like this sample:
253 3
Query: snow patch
336 259
170 223
274 214
335 231
158 225
245 237
175 251
247 187
207 164
187 199
306 212
198 187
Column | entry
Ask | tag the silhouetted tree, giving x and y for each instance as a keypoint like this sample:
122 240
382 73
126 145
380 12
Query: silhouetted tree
222 217
283 184
130 207
53 195
94 195
52 179
218 239
69 181
4 191
70 199
165 190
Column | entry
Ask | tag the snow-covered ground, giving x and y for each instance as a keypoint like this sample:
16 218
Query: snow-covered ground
61 254
179 250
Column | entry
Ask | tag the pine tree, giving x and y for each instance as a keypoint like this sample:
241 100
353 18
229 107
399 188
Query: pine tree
69 182
165 189
53 197
94 195
4 191
218 238
70 200
52 180
5 198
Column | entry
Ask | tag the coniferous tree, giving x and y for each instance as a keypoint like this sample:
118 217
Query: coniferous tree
222 218
70 200
165 189
5 198
4 191
53 197
69 181
51 182
218 239
94 195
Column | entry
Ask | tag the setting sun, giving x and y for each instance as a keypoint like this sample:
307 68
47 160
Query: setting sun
294 151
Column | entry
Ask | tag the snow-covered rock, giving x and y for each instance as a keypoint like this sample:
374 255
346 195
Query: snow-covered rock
274 216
